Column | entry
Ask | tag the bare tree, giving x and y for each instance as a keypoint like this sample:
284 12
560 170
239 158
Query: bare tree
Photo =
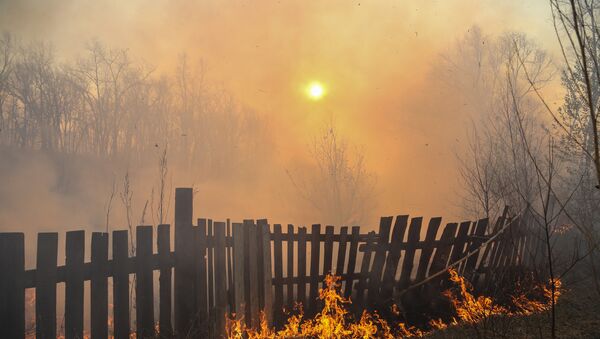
495 169
338 186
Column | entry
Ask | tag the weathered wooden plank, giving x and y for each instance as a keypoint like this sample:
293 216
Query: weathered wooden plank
99 286
267 270
349 286
120 284
210 265
185 299
290 266
414 231
432 229
328 251
315 257
302 266
201 278
442 254
229 251
278 262
341 256
45 290
163 245
144 285
342 249
74 284
220 278
252 313
239 270
380 255
391 264
12 287
477 238
458 249
364 271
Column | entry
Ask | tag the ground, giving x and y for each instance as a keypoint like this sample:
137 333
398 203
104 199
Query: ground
577 316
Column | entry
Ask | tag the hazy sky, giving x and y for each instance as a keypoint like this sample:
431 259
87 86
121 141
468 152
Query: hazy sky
374 57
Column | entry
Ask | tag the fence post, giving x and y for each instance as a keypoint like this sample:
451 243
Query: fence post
120 254
45 285
184 262
144 285
99 285
12 286
74 284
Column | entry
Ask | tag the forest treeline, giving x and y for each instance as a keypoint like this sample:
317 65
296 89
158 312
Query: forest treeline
106 103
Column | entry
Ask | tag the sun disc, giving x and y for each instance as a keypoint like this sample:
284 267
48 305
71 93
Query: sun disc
315 91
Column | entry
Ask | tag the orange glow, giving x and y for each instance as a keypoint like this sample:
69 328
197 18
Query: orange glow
334 321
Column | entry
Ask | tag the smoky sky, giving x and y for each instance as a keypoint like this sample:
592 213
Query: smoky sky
376 59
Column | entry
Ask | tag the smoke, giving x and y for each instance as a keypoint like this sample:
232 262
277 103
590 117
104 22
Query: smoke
377 59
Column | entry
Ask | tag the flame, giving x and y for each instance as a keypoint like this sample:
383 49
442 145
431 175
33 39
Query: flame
470 309
334 320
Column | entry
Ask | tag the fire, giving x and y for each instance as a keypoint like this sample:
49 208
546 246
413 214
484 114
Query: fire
334 320
470 309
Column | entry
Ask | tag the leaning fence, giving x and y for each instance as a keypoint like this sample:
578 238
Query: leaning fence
241 269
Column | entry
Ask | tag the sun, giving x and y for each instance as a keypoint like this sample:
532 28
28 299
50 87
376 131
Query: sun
315 90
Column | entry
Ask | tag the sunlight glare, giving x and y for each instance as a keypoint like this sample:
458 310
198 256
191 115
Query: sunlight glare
315 91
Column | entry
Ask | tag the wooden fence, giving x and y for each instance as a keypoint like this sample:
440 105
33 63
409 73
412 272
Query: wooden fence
220 268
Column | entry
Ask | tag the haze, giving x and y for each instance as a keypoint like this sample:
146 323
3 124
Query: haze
379 61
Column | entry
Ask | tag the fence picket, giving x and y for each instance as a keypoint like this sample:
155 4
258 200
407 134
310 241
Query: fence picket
200 277
349 286
290 266
12 287
315 253
184 262
120 285
278 272
383 239
391 264
74 284
45 287
302 266
267 270
144 285
414 231
364 270
239 270
163 245
427 251
328 253
99 285
220 278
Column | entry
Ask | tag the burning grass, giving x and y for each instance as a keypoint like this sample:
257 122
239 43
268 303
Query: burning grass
335 321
